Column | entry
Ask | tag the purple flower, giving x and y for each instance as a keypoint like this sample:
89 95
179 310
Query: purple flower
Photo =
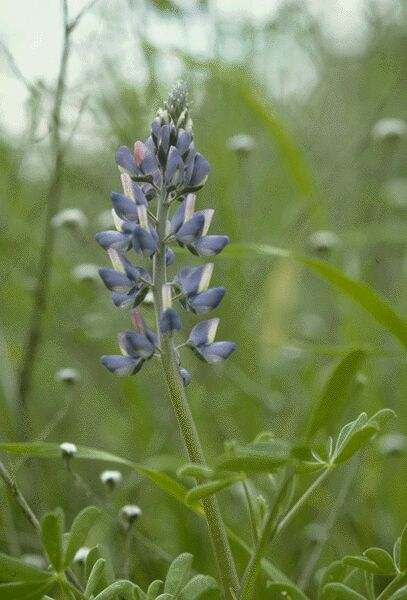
201 341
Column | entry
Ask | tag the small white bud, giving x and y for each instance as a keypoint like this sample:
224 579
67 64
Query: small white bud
130 513
389 129
241 143
111 479
392 444
81 555
67 375
72 218
86 272
68 450
323 241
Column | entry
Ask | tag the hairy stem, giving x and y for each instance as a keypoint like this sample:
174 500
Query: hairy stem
223 555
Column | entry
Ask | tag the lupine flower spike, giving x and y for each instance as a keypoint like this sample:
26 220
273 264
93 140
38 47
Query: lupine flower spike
163 170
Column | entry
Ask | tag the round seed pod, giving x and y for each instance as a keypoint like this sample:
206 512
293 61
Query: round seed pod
68 450
111 479
81 555
129 514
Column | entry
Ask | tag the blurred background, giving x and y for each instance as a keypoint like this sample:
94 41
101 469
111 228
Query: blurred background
301 109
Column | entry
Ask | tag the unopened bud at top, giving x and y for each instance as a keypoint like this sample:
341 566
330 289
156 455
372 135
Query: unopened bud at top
177 100
68 450
67 375
72 218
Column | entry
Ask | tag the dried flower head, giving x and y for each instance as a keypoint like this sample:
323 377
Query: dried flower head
67 375
68 450
72 218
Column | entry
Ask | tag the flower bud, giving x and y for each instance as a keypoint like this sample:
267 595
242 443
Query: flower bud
111 479
209 245
68 376
81 555
389 129
129 514
113 239
88 273
241 144
206 301
72 218
392 444
323 241
68 450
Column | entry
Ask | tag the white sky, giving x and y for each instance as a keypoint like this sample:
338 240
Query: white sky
31 29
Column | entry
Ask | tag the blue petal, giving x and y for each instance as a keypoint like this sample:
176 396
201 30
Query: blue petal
124 207
203 333
185 376
122 300
192 280
183 141
115 281
125 160
135 344
174 169
169 321
200 172
139 195
144 242
121 365
209 245
190 230
113 239
206 301
169 257
216 352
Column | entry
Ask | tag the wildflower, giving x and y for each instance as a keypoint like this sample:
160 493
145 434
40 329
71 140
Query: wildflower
72 218
68 450
111 479
67 375
165 170
241 143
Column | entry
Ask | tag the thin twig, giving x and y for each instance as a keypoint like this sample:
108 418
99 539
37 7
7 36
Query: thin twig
75 22
17 71
21 501
51 201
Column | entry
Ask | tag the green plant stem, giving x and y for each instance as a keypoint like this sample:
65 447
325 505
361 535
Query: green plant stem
250 510
393 586
270 530
223 555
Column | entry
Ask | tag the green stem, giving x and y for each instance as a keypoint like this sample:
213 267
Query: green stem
223 555
393 586
271 529
251 511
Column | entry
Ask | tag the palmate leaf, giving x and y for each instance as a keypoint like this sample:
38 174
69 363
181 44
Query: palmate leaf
357 291
178 573
163 481
12 569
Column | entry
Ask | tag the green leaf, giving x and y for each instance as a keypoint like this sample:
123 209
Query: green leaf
363 295
12 569
279 591
52 530
123 587
340 591
107 577
335 572
178 573
95 577
335 393
81 526
208 489
196 471
357 291
197 587
24 591
362 563
383 560
165 596
258 457
403 550
154 589
401 594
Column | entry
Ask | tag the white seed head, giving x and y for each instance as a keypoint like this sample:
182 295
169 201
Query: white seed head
67 375
81 555
392 444
34 560
68 450
72 218
111 478
241 143
323 241
389 129
86 272
130 513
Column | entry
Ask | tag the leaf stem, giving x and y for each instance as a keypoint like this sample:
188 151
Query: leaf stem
223 555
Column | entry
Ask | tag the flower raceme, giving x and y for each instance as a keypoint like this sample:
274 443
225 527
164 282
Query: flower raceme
166 170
